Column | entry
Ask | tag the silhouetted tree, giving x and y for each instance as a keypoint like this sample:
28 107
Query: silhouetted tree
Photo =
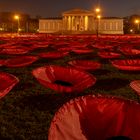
129 24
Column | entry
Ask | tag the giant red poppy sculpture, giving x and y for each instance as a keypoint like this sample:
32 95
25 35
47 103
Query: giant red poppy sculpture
2 62
108 54
78 45
65 49
128 64
39 45
7 82
135 85
102 46
63 79
96 118
85 64
53 55
82 51
130 51
15 50
20 61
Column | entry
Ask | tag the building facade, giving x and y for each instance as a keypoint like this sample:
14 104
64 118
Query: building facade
78 21
50 25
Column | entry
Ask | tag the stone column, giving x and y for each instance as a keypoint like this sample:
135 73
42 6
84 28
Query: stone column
86 23
49 26
116 25
75 23
81 22
110 26
72 23
65 23
69 22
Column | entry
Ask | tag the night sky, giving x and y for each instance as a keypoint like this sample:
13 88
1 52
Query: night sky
54 8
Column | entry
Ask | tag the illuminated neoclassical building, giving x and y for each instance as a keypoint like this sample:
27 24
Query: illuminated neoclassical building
78 21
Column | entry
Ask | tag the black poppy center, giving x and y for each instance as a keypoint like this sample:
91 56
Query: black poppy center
119 138
63 83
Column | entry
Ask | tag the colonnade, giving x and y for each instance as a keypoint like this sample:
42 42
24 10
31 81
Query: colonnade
76 23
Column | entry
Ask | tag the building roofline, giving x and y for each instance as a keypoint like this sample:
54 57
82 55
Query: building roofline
111 18
51 18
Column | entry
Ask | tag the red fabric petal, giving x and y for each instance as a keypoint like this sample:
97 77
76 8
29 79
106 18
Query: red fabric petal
85 64
2 62
89 118
135 85
7 82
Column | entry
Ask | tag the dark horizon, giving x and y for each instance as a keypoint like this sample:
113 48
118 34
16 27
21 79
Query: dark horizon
43 8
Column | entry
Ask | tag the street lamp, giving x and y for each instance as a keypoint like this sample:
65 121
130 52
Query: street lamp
98 24
98 16
131 30
17 18
97 10
137 21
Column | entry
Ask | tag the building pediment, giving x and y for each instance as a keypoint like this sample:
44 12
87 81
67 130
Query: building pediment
78 12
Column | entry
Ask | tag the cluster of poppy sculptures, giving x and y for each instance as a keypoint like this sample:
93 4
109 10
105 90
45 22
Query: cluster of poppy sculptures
99 118
86 117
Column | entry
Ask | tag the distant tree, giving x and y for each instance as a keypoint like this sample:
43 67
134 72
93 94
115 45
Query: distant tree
38 17
9 24
134 25
126 25
130 25
33 25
